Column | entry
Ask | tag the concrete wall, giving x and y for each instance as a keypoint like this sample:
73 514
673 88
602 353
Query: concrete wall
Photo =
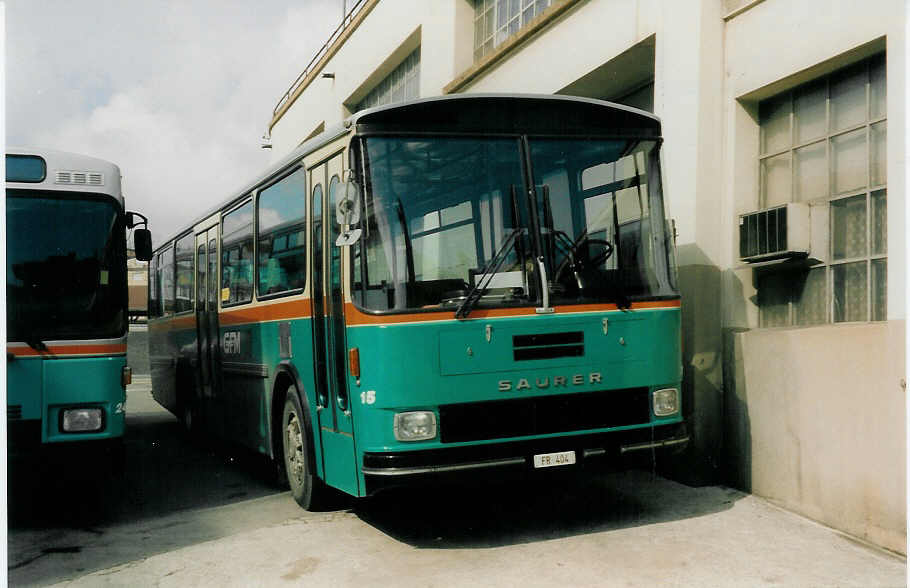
816 420
815 417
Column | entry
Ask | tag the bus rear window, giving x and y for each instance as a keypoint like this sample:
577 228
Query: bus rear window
25 168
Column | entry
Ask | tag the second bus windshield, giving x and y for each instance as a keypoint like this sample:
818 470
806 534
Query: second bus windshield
440 210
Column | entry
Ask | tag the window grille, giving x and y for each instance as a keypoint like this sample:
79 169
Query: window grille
497 20
400 85
824 142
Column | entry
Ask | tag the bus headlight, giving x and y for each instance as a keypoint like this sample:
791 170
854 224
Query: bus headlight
82 420
415 426
666 402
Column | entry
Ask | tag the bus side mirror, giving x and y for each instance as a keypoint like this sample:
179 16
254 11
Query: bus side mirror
142 240
347 213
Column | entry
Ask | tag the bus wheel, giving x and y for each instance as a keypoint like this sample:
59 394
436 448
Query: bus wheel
188 417
308 490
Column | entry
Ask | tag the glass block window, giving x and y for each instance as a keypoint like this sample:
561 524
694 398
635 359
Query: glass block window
497 20
824 143
400 85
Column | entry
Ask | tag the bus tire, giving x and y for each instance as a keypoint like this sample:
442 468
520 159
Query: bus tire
188 417
306 487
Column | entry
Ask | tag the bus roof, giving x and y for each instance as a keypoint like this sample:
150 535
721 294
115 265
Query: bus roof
492 113
510 113
71 172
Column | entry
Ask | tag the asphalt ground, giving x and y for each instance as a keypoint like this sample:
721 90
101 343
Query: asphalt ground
184 514
189 513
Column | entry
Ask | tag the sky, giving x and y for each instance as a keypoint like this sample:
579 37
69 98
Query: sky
177 93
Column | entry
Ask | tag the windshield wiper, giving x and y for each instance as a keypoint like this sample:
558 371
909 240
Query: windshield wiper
481 284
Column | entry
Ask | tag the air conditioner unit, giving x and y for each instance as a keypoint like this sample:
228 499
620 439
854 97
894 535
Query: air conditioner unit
778 233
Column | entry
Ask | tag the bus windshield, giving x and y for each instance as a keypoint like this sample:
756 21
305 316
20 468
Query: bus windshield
446 216
65 267
598 219
438 211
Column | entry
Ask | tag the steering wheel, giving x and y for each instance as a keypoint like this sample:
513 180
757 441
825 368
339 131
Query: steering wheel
581 262
600 257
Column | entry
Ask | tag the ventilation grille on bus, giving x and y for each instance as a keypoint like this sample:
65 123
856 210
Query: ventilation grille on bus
543 415
79 178
548 346
13 412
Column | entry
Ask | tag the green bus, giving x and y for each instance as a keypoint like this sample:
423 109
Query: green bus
66 300
472 283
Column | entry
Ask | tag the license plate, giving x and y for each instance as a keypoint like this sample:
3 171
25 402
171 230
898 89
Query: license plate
549 460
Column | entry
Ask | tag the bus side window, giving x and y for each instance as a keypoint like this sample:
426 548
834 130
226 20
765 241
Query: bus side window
237 255
154 298
281 215
185 272
200 277
166 271
212 277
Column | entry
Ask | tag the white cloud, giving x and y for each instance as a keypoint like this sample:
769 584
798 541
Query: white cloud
176 93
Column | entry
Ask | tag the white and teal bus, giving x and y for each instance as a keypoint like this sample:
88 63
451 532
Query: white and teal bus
66 300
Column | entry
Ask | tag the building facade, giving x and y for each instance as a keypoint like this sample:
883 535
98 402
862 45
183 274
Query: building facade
794 356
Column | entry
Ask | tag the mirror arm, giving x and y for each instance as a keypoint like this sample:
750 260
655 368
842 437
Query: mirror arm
131 222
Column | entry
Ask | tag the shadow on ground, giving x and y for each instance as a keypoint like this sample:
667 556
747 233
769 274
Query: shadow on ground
164 472
71 513
534 509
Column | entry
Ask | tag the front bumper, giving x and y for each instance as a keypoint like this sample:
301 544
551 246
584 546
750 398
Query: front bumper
616 449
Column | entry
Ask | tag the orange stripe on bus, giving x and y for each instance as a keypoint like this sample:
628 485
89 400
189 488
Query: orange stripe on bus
273 312
171 323
239 315
353 316
61 350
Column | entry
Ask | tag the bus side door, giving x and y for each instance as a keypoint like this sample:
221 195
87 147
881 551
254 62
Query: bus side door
334 422
207 325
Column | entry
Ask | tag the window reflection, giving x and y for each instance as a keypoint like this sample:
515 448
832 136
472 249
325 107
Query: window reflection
282 235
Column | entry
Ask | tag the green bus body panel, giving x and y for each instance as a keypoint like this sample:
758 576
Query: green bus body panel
248 395
641 348
44 387
453 362
25 386
240 408
496 355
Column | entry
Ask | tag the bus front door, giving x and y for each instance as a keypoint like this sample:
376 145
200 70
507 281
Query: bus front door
334 420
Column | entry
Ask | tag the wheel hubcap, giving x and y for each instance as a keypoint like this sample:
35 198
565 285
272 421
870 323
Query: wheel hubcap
295 448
